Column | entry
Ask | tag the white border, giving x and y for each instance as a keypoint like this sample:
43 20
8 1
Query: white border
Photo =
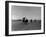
26 31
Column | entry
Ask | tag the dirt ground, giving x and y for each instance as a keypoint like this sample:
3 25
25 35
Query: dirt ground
19 25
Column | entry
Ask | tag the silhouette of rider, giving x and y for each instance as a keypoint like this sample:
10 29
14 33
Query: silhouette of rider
25 20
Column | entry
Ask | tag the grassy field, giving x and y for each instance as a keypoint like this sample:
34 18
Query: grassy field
19 25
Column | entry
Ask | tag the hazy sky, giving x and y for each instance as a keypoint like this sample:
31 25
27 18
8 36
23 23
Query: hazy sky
30 12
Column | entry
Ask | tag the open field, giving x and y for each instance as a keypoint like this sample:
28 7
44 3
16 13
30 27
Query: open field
19 25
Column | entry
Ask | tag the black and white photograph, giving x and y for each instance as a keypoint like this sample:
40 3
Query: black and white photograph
25 18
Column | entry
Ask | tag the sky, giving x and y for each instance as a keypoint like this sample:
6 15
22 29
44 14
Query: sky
18 12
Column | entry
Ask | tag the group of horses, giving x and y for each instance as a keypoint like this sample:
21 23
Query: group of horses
26 20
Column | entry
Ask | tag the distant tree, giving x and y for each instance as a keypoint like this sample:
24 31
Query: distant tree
35 20
19 19
39 21
31 20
